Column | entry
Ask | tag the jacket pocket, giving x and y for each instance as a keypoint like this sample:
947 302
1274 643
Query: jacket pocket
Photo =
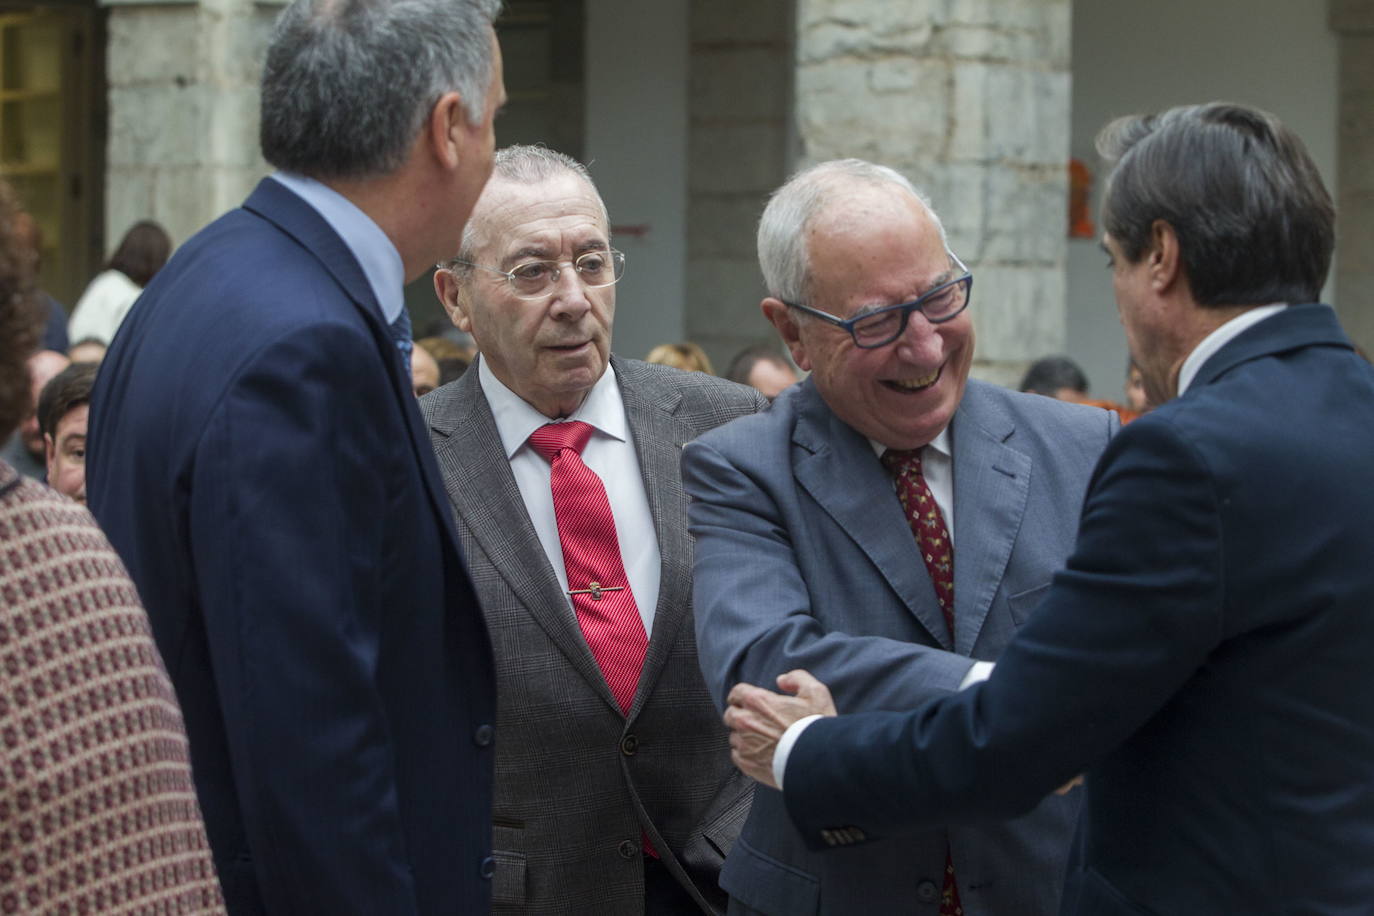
508 881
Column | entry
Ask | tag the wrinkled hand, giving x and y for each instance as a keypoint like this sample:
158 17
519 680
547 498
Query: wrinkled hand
757 718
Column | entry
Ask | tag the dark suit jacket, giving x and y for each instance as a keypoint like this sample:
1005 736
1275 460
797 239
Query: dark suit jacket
804 559
257 458
1205 658
576 781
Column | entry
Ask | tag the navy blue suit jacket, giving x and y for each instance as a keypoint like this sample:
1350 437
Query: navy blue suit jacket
257 458
1204 658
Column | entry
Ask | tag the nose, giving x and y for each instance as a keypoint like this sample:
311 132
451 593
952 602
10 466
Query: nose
569 297
920 342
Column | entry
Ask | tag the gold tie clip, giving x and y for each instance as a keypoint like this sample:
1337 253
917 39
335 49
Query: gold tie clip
595 590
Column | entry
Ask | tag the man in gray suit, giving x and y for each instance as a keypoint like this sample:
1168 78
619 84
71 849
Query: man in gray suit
614 788
824 530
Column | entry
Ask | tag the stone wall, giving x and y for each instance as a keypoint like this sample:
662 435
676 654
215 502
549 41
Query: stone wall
740 88
970 99
1353 21
183 110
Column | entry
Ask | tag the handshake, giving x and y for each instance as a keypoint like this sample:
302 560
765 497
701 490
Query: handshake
759 718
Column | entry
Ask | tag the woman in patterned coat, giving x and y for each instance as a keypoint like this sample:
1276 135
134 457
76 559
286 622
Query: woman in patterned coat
97 809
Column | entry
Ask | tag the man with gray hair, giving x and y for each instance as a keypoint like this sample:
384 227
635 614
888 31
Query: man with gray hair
889 524
1204 656
614 788
258 460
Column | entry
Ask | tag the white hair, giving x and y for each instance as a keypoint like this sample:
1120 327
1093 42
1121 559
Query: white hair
783 255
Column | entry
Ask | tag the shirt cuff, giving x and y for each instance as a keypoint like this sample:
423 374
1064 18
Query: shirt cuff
980 671
784 747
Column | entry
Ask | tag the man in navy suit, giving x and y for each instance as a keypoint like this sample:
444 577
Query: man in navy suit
257 458
1204 658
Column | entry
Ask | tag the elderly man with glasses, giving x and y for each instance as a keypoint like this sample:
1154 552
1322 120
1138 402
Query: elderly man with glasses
614 788
886 525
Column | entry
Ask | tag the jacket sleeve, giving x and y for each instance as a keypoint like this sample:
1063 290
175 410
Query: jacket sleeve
1129 621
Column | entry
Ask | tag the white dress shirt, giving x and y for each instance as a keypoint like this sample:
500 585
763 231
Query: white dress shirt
610 453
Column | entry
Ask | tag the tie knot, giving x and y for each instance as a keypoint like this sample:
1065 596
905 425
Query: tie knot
900 461
551 438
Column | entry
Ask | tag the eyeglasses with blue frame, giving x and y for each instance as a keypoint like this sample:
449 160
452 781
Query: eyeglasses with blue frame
880 327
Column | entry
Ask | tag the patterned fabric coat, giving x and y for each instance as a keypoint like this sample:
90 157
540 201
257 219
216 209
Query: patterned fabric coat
97 809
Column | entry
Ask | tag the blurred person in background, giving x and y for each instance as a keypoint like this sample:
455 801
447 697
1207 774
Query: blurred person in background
762 367
102 307
87 350
686 356
63 411
99 808
28 234
25 450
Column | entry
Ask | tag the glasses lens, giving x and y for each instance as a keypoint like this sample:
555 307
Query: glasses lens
601 268
878 328
533 277
943 303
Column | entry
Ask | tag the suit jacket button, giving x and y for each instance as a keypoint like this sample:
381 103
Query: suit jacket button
926 892
628 849
488 867
483 735
629 745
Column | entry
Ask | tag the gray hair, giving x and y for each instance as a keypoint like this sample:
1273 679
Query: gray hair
783 255
348 84
525 164
1254 222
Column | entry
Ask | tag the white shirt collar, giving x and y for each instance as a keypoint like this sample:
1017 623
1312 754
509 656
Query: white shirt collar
940 444
1220 338
603 409
376 255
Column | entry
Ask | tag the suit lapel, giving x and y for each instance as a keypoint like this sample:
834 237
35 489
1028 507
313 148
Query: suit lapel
658 438
477 476
991 485
840 471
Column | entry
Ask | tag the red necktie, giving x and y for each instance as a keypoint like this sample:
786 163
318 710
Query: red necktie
597 583
932 538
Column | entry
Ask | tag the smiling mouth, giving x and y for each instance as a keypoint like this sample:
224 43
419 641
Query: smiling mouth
915 384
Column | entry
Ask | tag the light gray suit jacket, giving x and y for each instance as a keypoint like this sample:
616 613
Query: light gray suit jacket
577 781
805 560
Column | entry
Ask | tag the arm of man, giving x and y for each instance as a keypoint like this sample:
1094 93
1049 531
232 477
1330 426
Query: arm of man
753 608
1125 626
290 515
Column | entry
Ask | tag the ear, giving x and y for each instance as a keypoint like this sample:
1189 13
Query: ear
1163 256
782 318
447 130
451 296
50 451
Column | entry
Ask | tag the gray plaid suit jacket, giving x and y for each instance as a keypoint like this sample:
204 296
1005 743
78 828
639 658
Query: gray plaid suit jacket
576 781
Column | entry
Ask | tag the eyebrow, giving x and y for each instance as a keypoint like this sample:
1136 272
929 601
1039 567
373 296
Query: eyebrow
940 280
541 253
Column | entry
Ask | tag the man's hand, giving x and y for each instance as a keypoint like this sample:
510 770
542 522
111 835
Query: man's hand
757 718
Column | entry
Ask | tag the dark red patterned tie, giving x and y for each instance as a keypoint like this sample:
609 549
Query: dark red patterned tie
932 539
597 583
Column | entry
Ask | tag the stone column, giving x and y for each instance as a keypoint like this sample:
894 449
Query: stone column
740 83
183 110
1353 21
970 99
